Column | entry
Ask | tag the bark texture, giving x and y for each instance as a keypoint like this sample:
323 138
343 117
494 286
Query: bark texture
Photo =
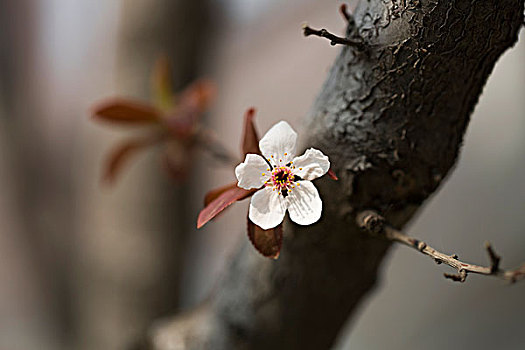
392 119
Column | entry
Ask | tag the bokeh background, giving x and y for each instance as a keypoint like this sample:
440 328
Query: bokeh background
85 266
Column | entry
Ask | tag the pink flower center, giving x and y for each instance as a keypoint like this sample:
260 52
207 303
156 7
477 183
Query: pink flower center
282 180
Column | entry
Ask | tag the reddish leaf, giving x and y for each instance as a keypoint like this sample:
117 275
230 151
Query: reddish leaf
121 154
126 111
182 122
198 95
332 175
177 159
250 139
267 242
223 200
193 102
213 194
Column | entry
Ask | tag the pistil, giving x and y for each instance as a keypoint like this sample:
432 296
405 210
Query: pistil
282 180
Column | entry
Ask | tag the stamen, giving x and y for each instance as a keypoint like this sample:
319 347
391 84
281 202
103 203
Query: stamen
282 179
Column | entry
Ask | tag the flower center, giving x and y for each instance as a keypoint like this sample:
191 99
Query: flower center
282 180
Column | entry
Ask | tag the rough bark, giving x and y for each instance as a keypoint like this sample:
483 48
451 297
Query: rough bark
392 119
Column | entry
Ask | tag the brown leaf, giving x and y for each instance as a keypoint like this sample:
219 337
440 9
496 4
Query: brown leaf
126 111
221 202
121 154
267 242
250 139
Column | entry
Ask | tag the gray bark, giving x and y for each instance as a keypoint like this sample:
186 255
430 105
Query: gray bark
392 120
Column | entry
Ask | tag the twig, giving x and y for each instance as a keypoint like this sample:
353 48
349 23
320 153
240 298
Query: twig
374 223
334 39
344 12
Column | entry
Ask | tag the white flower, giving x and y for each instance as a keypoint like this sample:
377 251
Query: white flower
283 179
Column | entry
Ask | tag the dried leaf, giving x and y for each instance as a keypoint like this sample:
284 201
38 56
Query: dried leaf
250 139
126 111
221 202
332 174
267 242
121 155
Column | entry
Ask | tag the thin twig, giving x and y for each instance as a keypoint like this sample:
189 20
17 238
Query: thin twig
343 9
334 39
375 224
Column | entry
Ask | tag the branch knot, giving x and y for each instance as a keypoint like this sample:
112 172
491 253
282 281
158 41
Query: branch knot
371 221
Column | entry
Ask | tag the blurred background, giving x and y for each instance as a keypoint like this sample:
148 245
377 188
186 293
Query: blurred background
86 266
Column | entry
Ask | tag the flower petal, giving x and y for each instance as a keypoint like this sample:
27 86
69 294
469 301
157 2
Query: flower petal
311 165
253 173
267 208
279 142
304 204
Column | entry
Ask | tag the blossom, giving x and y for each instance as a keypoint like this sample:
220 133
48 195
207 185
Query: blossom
312 164
283 180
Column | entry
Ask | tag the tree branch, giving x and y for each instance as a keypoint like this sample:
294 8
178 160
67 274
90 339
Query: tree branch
334 39
392 122
375 224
